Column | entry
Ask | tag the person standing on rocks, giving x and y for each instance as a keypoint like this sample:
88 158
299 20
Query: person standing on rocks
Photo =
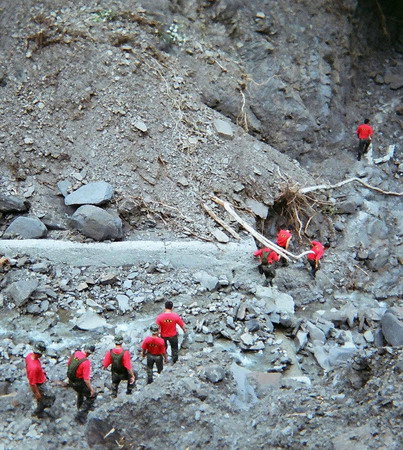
79 373
167 322
364 133
121 367
37 379
154 347
317 251
283 240
266 266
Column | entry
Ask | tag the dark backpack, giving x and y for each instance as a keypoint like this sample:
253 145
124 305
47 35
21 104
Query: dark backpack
117 362
73 366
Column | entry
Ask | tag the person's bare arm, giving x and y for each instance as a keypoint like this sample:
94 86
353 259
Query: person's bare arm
132 376
88 383
36 391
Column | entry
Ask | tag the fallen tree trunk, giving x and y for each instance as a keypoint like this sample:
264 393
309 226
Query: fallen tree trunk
280 250
221 222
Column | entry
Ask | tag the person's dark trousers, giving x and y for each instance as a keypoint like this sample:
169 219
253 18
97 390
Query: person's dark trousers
84 400
314 269
173 341
269 273
362 147
117 378
151 360
46 401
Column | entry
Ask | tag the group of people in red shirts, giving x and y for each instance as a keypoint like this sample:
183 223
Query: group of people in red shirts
154 347
269 257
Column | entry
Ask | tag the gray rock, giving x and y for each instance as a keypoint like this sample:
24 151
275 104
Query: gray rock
141 126
12 203
339 355
259 345
214 374
90 321
206 280
247 339
27 228
321 356
97 224
64 187
220 236
394 80
284 303
369 336
97 193
223 128
252 325
392 329
241 311
260 209
20 291
315 333
350 206
301 339
123 302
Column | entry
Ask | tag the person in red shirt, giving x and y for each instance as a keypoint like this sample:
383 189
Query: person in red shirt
121 367
283 240
266 266
154 347
79 373
37 379
364 133
167 322
317 250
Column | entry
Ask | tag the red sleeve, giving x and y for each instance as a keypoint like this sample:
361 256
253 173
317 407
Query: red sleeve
158 320
371 131
126 360
258 252
107 360
144 344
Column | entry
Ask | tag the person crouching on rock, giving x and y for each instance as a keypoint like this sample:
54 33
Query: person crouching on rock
154 347
79 373
317 251
266 266
37 379
121 367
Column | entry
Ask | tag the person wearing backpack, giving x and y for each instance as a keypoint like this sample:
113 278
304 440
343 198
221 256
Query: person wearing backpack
121 367
267 259
79 373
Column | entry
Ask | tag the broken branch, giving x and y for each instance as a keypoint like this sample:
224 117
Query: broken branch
226 227
324 187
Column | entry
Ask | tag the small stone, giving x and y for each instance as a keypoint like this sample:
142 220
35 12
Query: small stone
223 128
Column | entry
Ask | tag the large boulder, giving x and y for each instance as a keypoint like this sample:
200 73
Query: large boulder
12 203
392 329
20 291
97 193
27 228
97 223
